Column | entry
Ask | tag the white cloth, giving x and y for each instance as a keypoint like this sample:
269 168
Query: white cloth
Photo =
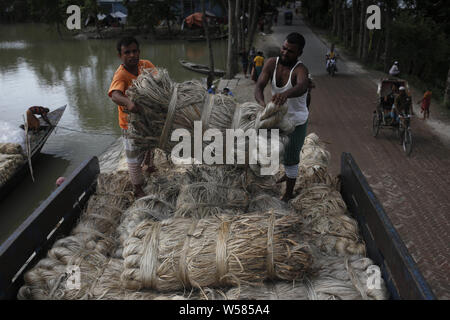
394 70
297 109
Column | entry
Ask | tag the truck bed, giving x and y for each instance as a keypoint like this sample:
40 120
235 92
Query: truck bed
56 217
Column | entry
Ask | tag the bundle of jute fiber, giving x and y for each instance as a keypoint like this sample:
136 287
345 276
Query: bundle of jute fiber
168 106
321 197
314 164
213 252
326 223
88 247
109 287
48 279
333 234
151 206
355 270
263 201
9 163
202 199
338 279
10 148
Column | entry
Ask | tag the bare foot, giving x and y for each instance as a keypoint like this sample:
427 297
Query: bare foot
286 198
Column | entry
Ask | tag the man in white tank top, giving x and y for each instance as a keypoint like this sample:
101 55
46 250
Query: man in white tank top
289 80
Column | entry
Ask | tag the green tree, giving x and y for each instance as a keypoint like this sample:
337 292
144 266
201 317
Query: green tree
147 14
53 12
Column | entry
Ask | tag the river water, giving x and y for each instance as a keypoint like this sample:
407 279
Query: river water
38 68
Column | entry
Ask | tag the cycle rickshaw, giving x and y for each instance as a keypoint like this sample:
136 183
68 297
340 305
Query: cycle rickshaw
387 89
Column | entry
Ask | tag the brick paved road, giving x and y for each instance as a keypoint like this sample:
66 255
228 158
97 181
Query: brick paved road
414 191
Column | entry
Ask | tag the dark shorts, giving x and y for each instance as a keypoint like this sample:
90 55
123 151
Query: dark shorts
294 146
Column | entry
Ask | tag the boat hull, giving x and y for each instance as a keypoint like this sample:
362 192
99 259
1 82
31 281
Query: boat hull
200 68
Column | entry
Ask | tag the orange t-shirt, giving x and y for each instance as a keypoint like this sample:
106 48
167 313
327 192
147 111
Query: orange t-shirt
121 81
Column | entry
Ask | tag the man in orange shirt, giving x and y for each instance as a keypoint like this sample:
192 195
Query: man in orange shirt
131 67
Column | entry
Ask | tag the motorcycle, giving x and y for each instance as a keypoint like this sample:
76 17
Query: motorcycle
331 69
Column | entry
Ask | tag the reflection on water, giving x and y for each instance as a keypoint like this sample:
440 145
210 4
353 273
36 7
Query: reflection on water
37 68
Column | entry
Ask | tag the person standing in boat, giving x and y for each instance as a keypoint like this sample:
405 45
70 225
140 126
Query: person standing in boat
290 83
131 67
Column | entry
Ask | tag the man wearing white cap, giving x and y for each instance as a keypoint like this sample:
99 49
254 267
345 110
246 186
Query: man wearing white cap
402 104
394 70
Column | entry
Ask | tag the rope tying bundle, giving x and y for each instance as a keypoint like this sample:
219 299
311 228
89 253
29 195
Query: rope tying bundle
214 252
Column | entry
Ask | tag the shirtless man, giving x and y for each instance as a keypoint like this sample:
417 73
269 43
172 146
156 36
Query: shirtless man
289 81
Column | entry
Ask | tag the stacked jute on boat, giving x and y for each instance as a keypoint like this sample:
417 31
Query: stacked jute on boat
141 249
11 158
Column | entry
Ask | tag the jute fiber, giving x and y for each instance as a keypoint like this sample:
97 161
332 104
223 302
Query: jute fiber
10 148
338 279
316 251
9 163
327 223
168 106
88 247
217 251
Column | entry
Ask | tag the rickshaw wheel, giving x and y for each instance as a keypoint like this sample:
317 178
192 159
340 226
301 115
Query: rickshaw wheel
407 142
375 124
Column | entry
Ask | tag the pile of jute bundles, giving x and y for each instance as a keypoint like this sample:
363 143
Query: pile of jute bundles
207 232
168 106
11 158
127 249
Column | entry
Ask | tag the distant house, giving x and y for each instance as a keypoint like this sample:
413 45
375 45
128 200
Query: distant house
192 6
113 12
112 6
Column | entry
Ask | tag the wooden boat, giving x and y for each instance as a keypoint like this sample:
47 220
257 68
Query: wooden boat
37 141
201 68
203 38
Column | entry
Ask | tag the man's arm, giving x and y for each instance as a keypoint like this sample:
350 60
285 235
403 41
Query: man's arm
263 79
300 88
119 98
44 116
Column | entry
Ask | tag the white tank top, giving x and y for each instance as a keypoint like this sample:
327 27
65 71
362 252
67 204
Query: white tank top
297 109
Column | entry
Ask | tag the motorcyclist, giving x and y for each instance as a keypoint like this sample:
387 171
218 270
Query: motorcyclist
332 54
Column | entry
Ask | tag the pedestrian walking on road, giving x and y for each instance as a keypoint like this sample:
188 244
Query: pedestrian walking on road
259 63
425 107
244 61
290 83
